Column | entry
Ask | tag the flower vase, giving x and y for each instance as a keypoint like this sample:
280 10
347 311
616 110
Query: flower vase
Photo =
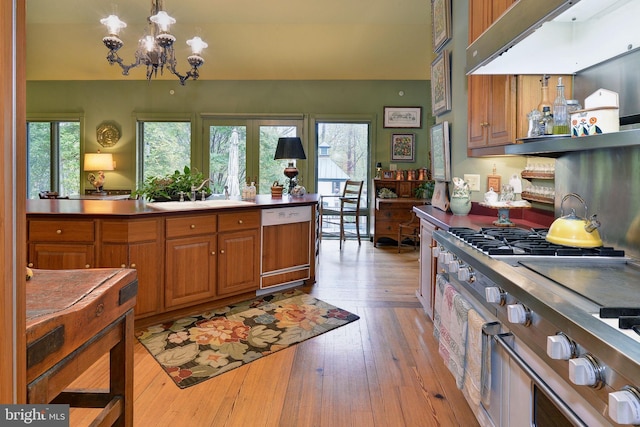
460 205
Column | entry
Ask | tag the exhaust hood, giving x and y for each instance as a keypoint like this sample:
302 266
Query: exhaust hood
555 37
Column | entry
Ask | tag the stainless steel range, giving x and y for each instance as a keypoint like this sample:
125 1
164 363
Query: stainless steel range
557 361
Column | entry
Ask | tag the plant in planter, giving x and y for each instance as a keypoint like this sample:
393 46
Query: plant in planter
169 187
425 190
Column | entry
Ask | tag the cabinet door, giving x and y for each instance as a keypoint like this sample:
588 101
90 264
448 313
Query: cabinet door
190 270
238 262
145 258
478 87
426 291
60 256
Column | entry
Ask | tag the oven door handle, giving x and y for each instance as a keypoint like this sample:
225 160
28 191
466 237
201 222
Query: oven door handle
566 410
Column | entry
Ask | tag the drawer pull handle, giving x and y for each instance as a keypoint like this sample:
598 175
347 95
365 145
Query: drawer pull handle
239 221
58 231
30 265
222 251
193 226
133 265
213 252
123 266
87 266
99 310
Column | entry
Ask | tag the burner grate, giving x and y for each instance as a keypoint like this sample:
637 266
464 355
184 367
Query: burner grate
519 241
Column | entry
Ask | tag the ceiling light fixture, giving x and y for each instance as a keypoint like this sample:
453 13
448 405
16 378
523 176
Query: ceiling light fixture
155 49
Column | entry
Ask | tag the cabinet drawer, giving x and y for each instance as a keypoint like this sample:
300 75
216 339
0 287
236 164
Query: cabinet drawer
129 231
239 221
61 231
190 226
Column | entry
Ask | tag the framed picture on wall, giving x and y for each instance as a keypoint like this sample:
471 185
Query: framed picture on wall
440 152
403 117
441 84
403 147
440 23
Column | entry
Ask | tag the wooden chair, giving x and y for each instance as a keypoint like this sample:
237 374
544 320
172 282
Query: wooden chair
409 230
348 210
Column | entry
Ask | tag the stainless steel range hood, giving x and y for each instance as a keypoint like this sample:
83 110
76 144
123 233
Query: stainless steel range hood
555 37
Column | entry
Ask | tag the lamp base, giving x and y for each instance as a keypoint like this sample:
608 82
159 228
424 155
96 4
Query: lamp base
291 172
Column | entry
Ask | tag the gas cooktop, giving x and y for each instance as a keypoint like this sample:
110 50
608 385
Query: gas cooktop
519 241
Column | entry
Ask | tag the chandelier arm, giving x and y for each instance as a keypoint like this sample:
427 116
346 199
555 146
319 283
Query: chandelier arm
114 58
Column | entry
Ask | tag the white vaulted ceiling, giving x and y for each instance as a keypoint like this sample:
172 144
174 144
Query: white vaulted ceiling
248 39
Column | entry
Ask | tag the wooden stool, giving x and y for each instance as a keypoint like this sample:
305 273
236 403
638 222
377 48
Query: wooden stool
74 317
409 230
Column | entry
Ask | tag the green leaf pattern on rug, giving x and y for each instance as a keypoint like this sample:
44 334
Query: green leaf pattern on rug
196 348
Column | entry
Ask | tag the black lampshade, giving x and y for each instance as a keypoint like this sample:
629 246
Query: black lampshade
289 148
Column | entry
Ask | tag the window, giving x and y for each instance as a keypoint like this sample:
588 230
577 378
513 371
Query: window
164 147
53 157
240 151
342 154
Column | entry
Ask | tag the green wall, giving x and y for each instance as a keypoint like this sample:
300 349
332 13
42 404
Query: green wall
117 101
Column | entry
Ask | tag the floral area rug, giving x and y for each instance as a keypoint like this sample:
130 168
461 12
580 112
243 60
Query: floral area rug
196 348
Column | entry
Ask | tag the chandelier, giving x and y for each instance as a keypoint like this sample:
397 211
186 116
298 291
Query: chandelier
155 49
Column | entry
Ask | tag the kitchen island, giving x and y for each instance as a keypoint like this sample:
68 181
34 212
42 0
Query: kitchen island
187 259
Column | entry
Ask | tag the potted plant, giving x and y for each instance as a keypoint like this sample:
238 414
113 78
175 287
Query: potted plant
425 190
169 187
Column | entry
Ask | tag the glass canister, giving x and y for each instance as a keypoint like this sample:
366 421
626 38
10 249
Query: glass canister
573 105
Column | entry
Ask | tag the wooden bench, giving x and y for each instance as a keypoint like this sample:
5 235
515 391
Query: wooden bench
74 317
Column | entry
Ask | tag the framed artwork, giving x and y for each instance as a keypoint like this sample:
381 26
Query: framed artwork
388 174
403 117
440 23
440 84
493 182
403 147
440 152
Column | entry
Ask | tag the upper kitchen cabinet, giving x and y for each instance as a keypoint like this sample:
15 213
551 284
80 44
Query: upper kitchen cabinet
491 99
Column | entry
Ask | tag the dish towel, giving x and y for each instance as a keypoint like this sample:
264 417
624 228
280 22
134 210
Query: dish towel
474 383
453 311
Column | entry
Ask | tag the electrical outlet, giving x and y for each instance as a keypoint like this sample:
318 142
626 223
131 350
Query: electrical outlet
473 180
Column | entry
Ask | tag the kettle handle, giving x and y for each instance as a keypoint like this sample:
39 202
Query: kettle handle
577 197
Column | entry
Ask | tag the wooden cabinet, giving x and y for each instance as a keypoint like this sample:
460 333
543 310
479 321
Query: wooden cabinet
135 244
202 264
426 288
491 106
239 259
190 260
61 244
389 213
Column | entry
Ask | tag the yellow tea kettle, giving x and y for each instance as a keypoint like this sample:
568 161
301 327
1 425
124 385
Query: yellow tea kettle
571 230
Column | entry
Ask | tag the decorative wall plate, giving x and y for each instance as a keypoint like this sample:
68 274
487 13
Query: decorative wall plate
108 135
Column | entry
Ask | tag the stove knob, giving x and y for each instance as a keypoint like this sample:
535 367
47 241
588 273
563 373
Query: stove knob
494 295
447 257
466 274
624 406
585 370
519 314
560 347
435 251
454 266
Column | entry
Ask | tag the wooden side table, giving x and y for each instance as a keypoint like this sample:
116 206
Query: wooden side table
74 317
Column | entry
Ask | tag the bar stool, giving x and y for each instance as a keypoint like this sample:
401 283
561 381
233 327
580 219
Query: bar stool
409 230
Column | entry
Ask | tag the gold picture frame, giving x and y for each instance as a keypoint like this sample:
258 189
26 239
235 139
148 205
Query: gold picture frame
441 84
440 23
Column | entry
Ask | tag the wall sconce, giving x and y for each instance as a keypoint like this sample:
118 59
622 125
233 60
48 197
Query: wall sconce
98 162
291 149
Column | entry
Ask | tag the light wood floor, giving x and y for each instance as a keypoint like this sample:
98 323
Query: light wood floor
382 370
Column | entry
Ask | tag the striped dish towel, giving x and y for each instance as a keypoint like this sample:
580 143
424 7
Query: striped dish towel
473 381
